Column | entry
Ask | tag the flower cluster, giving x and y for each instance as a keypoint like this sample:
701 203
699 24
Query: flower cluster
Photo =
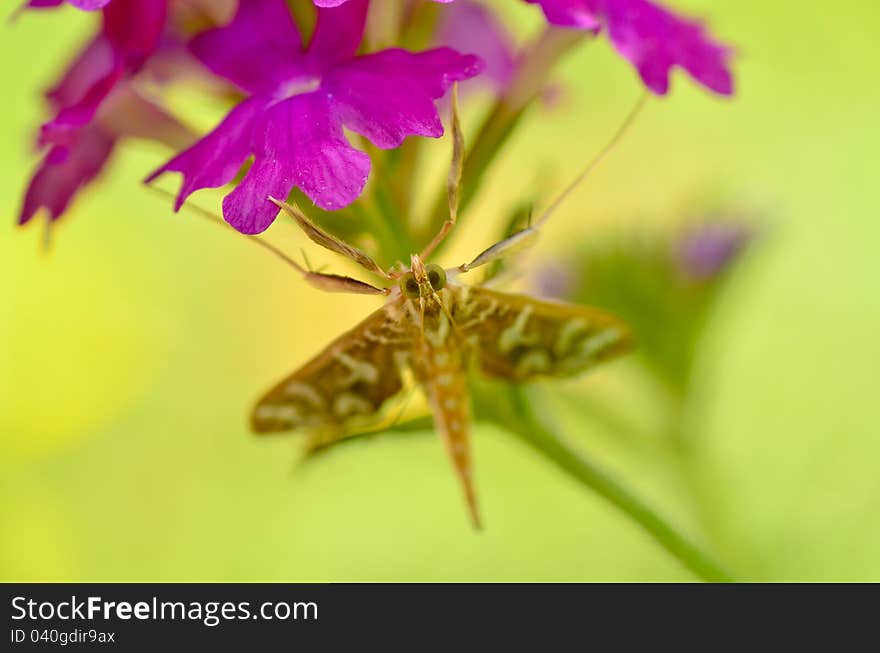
313 96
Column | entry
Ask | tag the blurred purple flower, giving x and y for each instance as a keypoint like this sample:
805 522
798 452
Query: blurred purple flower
554 281
67 168
470 27
300 99
130 33
95 104
652 38
705 251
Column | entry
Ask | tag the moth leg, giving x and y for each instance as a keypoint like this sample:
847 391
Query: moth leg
338 283
320 280
328 240
324 281
453 183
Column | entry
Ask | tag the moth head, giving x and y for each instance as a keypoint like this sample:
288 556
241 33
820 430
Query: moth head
422 280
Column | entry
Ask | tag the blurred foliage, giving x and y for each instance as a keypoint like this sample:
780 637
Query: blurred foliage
659 281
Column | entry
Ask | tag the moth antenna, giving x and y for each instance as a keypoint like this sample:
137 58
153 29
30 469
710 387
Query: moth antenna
208 215
609 147
526 237
327 240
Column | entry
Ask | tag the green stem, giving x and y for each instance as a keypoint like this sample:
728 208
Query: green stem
522 421
499 124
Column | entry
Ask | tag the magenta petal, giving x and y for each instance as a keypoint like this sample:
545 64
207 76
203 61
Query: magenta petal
61 129
81 90
88 5
64 171
298 144
215 159
94 63
390 95
569 13
338 34
256 50
655 40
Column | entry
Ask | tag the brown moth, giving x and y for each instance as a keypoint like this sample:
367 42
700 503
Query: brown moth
433 328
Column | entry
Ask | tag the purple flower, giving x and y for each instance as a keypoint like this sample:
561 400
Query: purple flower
652 38
95 105
706 250
299 101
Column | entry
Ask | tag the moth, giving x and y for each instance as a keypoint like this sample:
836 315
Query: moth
433 329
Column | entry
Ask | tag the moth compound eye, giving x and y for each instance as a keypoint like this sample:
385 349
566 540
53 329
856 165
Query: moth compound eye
436 276
409 286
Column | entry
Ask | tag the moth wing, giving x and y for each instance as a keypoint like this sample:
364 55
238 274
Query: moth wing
345 388
518 338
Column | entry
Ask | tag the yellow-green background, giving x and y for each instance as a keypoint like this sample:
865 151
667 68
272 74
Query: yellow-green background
131 353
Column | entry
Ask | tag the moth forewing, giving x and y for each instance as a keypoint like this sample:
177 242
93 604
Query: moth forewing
345 386
518 338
